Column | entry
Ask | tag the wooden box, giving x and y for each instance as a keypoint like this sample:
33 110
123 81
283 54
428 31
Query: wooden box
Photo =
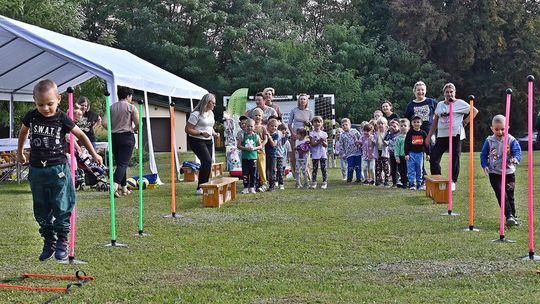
219 191
190 175
437 188
216 169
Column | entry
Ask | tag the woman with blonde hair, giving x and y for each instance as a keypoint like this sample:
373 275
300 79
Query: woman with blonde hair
200 129
299 117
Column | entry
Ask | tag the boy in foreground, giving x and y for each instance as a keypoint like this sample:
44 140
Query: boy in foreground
491 160
49 174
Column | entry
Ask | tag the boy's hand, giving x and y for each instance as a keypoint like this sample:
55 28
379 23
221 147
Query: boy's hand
398 161
98 159
407 157
427 157
486 171
21 158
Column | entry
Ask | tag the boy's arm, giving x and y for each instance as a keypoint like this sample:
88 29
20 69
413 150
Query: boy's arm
484 155
426 148
87 144
23 135
407 145
272 142
516 151
135 119
259 144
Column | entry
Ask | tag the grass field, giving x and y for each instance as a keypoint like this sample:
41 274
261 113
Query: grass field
346 244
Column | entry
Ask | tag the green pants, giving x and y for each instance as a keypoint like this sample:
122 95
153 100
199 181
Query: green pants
54 197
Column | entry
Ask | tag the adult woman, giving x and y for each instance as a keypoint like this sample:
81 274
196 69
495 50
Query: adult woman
269 97
124 124
441 125
261 104
200 129
421 106
298 118
89 120
386 108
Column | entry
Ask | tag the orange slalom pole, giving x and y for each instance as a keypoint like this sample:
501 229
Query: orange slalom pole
471 165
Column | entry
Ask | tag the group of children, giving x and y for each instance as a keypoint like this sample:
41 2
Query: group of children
383 150
265 151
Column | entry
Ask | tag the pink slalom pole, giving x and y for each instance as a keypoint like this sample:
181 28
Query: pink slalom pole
503 166
72 169
450 156
530 160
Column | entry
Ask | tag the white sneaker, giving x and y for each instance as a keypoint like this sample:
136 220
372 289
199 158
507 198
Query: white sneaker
281 187
422 187
199 191
344 179
252 190
313 185
245 191
453 186
262 188
324 185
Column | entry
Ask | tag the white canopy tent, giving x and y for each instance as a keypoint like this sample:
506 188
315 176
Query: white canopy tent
29 53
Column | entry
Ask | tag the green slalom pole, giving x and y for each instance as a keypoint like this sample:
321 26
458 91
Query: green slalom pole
140 169
111 178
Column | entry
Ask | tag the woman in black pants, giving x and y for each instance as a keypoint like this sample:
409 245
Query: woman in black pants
200 129
124 125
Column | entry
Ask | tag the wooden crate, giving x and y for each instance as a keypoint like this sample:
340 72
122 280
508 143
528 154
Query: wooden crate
216 169
219 191
190 175
437 188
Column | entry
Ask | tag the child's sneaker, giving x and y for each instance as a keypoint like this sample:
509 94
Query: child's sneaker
412 187
324 185
252 190
313 185
422 187
61 252
366 182
199 191
399 184
511 221
49 246
453 186
245 191
281 187
386 185
262 188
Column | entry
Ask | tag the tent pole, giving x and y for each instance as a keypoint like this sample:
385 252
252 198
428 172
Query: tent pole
140 148
152 158
11 130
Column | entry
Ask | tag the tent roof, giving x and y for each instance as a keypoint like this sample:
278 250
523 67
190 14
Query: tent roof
29 53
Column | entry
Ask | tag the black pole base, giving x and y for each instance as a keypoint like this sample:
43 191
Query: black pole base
450 213
141 233
472 229
530 257
114 243
502 239
72 261
173 215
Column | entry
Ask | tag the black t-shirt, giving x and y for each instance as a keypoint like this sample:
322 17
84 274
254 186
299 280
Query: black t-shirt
415 142
86 123
47 137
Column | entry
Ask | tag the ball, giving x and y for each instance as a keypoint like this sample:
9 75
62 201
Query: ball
132 183
144 183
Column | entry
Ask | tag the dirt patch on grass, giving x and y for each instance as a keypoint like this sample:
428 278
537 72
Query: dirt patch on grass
213 217
438 269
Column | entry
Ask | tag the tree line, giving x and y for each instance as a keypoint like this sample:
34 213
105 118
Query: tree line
360 50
